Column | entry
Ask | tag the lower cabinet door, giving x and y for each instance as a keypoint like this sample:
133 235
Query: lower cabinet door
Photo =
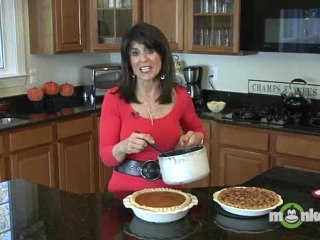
34 164
104 176
304 164
104 171
76 157
238 166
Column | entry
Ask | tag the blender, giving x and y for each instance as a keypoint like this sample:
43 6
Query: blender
192 76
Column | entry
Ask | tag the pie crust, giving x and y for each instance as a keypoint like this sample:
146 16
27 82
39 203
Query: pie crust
248 198
160 199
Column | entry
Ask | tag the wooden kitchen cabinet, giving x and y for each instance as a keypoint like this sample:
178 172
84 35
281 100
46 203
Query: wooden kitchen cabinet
297 151
168 16
77 155
108 20
57 154
243 154
237 166
56 26
31 154
104 171
212 28
240 153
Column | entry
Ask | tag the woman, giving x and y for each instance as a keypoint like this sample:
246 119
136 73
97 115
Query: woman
148 107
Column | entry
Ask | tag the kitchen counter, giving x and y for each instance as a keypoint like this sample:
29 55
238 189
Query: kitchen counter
67 108
219 117
240 100
32 113
84 108
38 212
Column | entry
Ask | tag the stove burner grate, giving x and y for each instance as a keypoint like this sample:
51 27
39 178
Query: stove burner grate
314 122
253 113
275 115
245 115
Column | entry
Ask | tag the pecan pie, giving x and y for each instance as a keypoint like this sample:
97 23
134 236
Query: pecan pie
160 199
248 197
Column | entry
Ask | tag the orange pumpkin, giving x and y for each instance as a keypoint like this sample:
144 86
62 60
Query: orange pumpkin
35 94
51 88
66 90
67 111
38 116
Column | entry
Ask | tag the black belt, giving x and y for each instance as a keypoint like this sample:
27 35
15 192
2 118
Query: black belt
150 170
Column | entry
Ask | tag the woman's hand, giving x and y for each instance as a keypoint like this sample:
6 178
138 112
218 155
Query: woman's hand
191 138
135 143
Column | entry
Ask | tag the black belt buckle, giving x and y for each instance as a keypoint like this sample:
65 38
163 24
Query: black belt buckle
151 170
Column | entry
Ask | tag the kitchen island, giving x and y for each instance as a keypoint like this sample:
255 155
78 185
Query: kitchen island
31 211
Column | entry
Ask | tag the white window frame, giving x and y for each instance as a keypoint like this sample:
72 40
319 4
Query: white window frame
13 39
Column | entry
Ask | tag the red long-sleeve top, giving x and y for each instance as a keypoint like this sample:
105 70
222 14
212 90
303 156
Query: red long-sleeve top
119 120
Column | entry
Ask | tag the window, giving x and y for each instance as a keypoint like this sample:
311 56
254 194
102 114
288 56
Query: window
5 219
12 49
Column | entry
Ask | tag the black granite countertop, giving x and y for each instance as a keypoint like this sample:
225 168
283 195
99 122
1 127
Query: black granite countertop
219 117
238 100
31 211
52 109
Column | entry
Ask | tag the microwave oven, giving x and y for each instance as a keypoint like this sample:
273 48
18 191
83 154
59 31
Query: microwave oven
280 26
98 78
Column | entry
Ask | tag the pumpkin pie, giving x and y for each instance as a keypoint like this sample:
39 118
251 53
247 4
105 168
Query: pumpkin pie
160 199
248 198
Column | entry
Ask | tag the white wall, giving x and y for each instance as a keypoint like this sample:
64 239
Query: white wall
66 67
233 71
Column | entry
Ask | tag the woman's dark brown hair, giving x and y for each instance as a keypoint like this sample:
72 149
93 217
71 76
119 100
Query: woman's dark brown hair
152 38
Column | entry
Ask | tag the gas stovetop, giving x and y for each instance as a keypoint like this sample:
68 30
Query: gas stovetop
276 116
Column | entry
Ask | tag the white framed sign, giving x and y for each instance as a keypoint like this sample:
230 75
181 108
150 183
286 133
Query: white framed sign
277 88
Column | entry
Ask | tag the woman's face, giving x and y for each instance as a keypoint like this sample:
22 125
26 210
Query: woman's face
146 63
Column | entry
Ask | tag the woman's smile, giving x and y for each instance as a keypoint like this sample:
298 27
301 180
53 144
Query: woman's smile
145 69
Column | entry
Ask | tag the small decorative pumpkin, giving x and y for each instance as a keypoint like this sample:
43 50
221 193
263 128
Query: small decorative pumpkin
51 88
38 116
67 111
35 94
66 90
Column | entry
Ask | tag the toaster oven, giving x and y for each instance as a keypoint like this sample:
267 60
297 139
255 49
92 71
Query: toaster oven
98 78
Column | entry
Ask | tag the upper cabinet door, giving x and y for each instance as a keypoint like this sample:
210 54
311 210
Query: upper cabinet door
213 26
167 15
70 25
110 19
56 26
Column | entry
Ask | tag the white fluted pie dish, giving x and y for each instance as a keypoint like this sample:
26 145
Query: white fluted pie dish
160 205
